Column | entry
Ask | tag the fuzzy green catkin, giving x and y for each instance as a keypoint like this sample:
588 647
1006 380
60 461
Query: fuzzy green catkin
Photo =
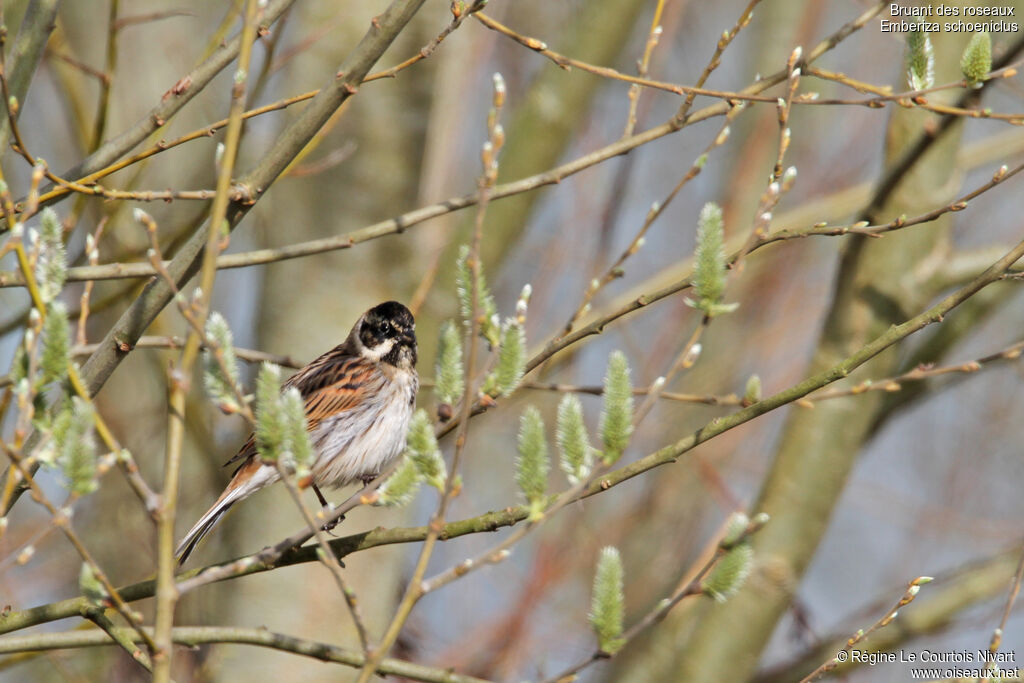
270 428
511 359
75 447
532 465
575 452
449 371
489 329
617 415
296 434
709 278
709 263
56 343
19 367
735 529
920 58
976 61
92 588
400 488
729 574
606 606
463 276
424 452
220 386
752 392
51 265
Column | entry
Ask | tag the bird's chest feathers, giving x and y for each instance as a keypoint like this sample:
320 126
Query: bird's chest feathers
361 442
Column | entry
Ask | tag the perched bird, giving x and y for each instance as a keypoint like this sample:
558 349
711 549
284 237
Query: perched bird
359 397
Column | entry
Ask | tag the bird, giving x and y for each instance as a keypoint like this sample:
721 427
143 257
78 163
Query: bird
358 397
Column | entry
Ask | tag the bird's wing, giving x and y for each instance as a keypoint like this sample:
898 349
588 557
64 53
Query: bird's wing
245 453
334 383
341 387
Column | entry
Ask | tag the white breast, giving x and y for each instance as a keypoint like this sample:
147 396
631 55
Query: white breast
359 443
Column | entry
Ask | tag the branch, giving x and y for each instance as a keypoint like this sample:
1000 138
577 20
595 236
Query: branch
157 294
166 592
692 585
997 635
948 597
908 596
899 169
567 63
193 636
414 589
328 559
122 637
209 130
176 97
401 223
36 27
513 515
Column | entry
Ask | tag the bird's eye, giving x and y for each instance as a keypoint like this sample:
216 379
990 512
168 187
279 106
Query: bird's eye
384 327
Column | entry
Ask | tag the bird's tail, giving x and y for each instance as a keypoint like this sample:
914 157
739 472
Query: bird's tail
247 480
201 528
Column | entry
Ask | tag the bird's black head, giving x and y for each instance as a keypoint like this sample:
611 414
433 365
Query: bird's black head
387 333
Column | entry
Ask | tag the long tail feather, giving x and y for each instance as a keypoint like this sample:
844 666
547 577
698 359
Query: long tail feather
201 528
249 478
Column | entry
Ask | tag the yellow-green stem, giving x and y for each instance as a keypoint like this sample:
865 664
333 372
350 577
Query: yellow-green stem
166 593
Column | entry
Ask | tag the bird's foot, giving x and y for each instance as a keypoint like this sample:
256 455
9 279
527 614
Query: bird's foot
326 512
329 526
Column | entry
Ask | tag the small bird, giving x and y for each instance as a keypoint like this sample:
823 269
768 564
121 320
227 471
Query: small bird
359 397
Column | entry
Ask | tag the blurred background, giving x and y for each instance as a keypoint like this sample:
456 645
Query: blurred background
924 481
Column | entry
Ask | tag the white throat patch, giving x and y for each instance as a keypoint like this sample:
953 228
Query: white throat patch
377 352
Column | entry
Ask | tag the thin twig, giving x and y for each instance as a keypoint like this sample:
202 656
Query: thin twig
511 516
683 361
137 19
564 62
997 635
615 270
414 589
122 637
92 243
329 560
193 636
653 35
166 593
912 589
61 520
689 587
154 342
716 57
407 220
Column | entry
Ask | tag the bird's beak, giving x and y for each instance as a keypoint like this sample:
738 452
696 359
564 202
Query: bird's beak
409 338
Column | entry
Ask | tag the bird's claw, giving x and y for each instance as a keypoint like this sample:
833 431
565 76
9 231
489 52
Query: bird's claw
329 526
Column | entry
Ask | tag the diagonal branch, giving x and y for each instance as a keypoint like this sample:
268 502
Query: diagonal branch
190 85
166 594
158 293
511 516
35 30
193 636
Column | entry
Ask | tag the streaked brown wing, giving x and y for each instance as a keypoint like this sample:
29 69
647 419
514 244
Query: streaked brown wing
246 452
348 389
323 371
333 383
